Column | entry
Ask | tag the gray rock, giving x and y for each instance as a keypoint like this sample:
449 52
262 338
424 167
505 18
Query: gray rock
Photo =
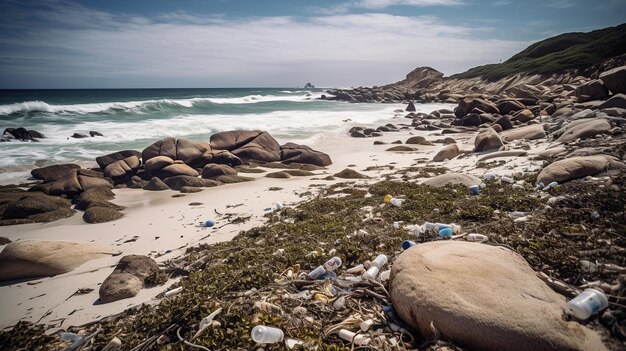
585 129
448 152
577 167
418 140
617 101
104 161
212 170
101 214
350 174
615 80
530 132
452 179
593 90
156 184
55 172
120 286
177 182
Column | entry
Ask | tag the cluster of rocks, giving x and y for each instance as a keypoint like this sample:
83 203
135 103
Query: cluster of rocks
170 163
23 134
132 273
362 132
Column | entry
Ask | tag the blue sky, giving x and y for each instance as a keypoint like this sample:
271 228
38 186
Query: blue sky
235 43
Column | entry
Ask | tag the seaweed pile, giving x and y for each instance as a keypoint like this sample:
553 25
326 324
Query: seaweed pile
257 277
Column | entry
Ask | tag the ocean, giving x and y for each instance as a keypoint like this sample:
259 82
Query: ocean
135 118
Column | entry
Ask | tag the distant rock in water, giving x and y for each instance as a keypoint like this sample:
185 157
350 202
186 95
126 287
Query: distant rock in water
21 134
79 135
309 86
94 133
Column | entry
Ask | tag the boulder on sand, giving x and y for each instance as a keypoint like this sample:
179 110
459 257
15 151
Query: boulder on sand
177 182
295 153
452 179
505 306
448 152
131 274
44 258
122 170
163 147
531 132
418 140
617 100
156 184
32 206
585 129
212 170
593 90
577 167
55 172
104 161
487 139
262 148
466 105
102 214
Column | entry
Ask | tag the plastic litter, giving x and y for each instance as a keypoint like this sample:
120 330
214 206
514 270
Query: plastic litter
473 237
396 202
445 232
550 185
384 276
278 205
209 223
371 273
266 335
588 303
173 292
474 190
353 337
366 325
407 243
356 269
317 272
332 264
379 261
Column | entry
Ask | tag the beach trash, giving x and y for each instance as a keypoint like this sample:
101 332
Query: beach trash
173 291
474 190
588 303
473 237
209 223
266 335
396 202
332 264
379 261
388 198
384 275
407 243
366 325
371 273
396 225
550 185
317 272
278 205
353 337
445 232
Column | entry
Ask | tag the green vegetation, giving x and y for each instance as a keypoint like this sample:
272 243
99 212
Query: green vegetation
556 54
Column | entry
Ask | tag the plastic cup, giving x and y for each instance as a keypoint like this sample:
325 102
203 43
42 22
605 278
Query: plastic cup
209 223
371 273
588 303
266 335
445 232
474 190
406 244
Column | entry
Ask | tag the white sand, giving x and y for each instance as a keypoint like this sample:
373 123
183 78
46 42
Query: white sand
149 215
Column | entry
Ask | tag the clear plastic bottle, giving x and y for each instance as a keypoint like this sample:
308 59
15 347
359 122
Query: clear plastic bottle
588 303
317 272
332 264
266 335
396 201
379 261
473 237
371 273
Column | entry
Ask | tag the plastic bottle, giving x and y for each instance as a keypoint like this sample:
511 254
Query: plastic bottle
352 337
407 243
371 273
332 264
588 303
317 272
379 261
473 237
173 291
396 201
474 190
266 335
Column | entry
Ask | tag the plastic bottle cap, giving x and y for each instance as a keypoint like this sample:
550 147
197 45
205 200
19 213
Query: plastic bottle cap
406 244
388 198
209 223
445 232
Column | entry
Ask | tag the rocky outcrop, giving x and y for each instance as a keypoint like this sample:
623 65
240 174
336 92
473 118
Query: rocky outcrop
615 80
215 170
434 286
131 274
592 90
104 161
585 129
21 134
577 167
616 101
73 181
468 104
123 170
18 207
156 184
54 172
43 258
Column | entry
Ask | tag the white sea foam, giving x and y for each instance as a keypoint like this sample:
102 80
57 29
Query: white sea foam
145 105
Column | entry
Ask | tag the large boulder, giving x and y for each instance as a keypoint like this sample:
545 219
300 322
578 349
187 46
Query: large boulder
262 148
615 80
531 132
448 152
508 106
585 129
294 153
23 134
215 170
104 161
122 170
467 104
193 153
504 122
28 207
55 172
223 157
156 184
488 139
155 164
593 90
418 140
232 139
93 196
177 182
44 258
163 147
523 116
616 101
577 167
435 287
178 168
131 274
102 214
442 180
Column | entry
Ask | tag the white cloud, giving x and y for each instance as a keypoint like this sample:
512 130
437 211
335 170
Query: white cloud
503 2
379 4
560 4
181 49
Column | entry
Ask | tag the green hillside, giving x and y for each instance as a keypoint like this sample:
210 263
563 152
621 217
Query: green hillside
565 51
